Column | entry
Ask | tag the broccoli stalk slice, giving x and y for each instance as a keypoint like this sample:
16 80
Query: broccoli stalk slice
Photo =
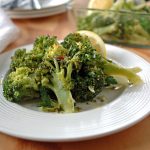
135 69
130 74
61 86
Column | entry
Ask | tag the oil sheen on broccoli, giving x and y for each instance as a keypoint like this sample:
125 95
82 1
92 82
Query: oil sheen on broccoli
125 22
62 74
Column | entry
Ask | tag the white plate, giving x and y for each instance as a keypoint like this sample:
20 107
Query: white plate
26 6
129 107
48 8
28 15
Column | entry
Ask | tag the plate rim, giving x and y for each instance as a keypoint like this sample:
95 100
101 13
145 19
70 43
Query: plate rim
79 138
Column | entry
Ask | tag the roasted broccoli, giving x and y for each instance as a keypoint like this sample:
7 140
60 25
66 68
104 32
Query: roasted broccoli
125 22
62 74
95 71
89 78
20 84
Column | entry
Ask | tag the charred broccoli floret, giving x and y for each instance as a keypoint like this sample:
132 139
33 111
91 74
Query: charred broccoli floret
61 74
89 78
20 84
95 71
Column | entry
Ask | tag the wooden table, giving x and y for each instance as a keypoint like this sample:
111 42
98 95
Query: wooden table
134 138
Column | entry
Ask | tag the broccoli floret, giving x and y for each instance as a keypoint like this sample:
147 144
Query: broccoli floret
22 58
61 74
57 76
102 20
88 84
48 100
97 21
117 26
85 23
20 84
95 71
18 59
60 83
110 80
89 80
33 58
44 66
43 43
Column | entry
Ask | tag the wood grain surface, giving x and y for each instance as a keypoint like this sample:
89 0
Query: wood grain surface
136 137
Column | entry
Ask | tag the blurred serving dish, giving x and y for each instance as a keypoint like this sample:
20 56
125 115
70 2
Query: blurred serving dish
124 23
34 8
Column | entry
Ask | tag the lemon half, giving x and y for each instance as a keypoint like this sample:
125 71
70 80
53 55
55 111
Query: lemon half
100 4
96 41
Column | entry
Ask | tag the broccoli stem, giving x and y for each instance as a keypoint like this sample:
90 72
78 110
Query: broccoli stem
114 69
61 88
65 99
135 69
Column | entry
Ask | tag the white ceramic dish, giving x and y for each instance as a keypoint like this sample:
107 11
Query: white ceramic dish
28 15
127 108
49 8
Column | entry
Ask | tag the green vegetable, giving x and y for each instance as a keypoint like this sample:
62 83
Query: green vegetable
20 84
60 75
89 78
94 69
119 23
48 102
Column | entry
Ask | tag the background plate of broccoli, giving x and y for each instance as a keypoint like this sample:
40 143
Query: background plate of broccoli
126 22
124 108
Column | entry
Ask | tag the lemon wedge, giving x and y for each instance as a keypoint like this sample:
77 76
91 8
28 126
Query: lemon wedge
100 4
96 41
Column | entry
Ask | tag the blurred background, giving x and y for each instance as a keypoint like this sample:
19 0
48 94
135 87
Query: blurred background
123 22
